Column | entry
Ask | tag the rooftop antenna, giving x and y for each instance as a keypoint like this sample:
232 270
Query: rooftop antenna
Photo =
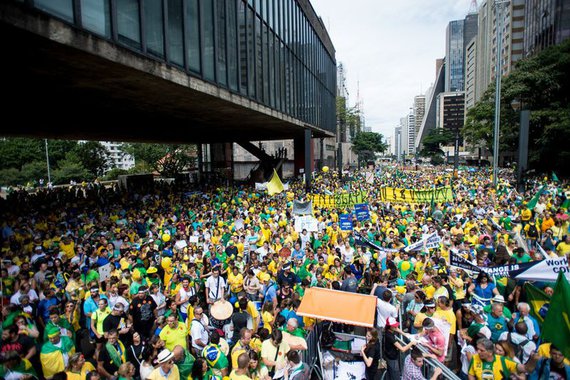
473 7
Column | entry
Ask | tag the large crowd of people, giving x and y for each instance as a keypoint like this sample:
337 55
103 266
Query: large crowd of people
98 282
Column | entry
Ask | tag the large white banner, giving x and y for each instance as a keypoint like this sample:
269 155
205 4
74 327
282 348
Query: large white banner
543 270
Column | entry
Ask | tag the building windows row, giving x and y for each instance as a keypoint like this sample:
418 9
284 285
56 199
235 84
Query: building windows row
266 50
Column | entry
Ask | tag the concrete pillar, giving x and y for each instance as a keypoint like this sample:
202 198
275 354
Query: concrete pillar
303 156
200 163
523 148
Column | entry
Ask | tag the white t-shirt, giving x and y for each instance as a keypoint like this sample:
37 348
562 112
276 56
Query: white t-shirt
198 332
215 287
185 295
384 310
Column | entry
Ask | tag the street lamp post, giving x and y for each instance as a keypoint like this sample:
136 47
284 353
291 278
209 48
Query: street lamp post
498 73
47 162
523 141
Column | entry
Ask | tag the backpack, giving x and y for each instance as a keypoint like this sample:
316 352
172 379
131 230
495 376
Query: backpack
519 348
532 231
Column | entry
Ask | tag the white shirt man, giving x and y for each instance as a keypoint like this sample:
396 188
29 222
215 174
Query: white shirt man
385 309
198 331
215 286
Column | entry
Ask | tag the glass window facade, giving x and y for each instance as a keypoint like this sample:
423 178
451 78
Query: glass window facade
266 50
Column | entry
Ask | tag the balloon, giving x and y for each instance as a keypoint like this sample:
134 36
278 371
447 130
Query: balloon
165 238
406 266
325 169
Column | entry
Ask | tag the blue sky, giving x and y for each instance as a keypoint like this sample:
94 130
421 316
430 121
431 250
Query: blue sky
390 47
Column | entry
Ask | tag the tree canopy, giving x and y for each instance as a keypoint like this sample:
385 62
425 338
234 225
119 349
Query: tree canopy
166 159
542 84
24 160
432 144
366 144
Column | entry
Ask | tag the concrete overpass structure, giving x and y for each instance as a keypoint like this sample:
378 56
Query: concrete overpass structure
214 71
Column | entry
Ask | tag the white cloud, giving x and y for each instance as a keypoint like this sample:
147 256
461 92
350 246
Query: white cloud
390 47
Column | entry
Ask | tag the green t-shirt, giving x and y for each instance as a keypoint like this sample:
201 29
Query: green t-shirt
524 259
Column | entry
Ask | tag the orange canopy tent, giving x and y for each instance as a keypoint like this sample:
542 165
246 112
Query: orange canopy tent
338 306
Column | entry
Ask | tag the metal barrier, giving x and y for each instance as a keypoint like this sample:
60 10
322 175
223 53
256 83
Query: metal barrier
431 363
312 355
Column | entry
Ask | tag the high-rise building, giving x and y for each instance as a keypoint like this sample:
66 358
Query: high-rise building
398 142
512 32
118 159
404 133
419 112
450 110
454 74
429 121
470 73
411 128
547 23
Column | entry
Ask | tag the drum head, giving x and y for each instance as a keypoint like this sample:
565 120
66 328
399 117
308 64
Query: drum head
221 310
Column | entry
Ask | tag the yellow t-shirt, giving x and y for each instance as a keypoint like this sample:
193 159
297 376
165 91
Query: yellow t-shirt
234 376
174 337
235 282
457 287
563 249
429 291
87 367
491 370
267 319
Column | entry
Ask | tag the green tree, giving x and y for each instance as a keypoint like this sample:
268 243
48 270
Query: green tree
11 177
58 150
71 168
366 144
15 152
542 83
93 156
432 144
33 171
114 173
166 159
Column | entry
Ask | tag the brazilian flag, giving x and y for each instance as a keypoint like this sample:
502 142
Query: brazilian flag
51 356
556 328
501 284
538 300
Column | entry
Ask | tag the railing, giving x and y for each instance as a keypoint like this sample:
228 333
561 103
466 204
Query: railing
312 355
431 363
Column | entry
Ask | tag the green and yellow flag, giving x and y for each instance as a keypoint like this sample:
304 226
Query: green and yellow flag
274 186
51 356
556 327
538 301
532 203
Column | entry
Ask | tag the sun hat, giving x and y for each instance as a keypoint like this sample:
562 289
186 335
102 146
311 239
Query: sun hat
164 356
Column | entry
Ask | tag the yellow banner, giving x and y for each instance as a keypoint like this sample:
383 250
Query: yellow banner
340 200
397 195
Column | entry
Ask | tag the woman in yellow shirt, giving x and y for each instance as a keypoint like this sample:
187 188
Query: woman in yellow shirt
267 316
77 368
235 280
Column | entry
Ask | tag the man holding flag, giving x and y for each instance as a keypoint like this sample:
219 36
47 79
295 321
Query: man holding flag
55 352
